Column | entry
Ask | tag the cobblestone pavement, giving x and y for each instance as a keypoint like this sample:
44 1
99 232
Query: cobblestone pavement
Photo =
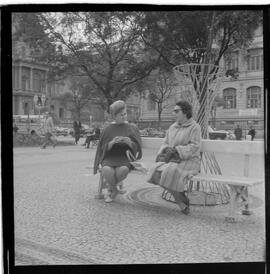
58 221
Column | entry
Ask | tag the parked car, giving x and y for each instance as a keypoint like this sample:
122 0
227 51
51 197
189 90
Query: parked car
28 123
217 134
62 131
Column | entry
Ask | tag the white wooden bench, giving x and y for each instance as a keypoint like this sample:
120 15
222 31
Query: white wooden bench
238 185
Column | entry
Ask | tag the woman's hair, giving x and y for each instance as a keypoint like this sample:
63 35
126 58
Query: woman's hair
117 107
185 107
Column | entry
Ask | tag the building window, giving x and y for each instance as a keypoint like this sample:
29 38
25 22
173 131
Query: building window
25 79
14 78
38 81
254 97
229 97
61 113
151 105
255 59
25 108
232 61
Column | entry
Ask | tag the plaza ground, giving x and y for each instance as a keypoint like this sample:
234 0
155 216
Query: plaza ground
58 220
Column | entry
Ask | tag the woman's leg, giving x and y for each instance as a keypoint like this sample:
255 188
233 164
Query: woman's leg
87 141
121 173
108 174
183 202
181 199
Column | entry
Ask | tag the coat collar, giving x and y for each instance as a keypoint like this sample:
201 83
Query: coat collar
188 123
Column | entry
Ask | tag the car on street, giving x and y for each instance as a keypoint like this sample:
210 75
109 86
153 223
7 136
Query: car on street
28 124
218 134
62 131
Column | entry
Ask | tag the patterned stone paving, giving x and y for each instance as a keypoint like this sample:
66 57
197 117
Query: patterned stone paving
58 221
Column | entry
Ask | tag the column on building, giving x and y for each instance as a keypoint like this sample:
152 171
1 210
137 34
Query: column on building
31 79
20 77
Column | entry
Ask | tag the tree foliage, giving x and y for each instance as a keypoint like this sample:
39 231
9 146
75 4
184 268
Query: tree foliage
199 36
104 46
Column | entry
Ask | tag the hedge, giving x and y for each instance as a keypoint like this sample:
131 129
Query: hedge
23 139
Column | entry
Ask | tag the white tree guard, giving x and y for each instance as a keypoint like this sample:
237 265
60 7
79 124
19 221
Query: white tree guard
202 81
199 84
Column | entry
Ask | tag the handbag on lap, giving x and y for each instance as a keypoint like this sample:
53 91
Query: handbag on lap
167 155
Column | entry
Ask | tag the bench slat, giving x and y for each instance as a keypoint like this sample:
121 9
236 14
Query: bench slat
229 180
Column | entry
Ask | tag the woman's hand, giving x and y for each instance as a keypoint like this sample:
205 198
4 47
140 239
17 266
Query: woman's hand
127 140
111 143
120 139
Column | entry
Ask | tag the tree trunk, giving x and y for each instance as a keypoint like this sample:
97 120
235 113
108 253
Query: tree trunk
159 116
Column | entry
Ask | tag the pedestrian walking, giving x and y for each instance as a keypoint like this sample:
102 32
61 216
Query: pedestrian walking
252 132
179 156
77 130
238 133
49 131
116 139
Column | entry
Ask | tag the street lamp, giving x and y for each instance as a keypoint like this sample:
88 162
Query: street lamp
39 102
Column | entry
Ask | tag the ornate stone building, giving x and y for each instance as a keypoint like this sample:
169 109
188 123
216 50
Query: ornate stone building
30 80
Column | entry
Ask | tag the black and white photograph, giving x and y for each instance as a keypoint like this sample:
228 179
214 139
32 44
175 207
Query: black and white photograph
138 135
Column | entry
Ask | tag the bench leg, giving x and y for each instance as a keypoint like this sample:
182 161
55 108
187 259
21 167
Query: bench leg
245 198
100 195
233 201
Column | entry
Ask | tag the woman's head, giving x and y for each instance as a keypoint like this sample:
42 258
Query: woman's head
118 111
182 111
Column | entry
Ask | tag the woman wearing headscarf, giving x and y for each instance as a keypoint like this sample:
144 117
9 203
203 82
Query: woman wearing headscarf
179 156
118 138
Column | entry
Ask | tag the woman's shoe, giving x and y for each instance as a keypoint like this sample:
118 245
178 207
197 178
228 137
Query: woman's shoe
108 196
122 191
120 188
186 211
108 199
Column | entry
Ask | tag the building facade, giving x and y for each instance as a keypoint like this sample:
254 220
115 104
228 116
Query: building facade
242 93
34 93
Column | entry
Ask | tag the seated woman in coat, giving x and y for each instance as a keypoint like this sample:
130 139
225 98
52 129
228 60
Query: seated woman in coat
115 140
182 155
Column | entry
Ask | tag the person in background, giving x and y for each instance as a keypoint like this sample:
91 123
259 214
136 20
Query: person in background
238 133
93 136
15 127
77 130
179 156
252 132
48 129
117 140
